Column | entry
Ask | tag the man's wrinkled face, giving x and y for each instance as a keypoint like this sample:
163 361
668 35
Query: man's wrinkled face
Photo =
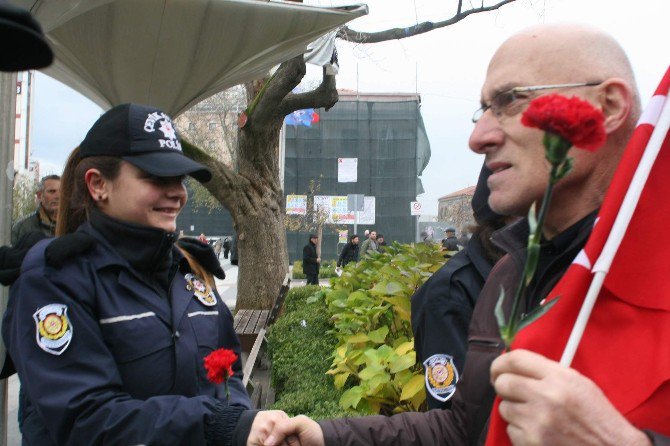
373 235
50 196
513 152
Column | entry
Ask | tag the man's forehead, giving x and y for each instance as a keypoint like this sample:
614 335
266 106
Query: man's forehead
530 59
52 184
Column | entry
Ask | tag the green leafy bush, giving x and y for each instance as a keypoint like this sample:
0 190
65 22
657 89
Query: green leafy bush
326 271
299 346
370 307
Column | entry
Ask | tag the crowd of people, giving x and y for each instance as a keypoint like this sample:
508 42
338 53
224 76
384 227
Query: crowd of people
109 322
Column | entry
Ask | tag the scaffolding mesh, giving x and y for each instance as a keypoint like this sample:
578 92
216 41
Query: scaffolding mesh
390 142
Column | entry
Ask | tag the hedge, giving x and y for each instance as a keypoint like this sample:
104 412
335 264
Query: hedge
299 347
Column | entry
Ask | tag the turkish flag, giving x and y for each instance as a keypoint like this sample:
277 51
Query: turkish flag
625 348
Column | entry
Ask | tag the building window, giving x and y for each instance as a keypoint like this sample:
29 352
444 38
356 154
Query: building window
212 144
191 125
212 125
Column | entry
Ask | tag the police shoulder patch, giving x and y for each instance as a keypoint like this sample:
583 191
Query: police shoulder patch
53 328
201 290
441 376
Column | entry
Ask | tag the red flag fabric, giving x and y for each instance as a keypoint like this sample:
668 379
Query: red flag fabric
624 349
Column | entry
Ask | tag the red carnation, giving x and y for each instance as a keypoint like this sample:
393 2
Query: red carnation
574 119
219 365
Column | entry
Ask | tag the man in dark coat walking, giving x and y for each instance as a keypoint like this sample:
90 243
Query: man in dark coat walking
349 252
310 261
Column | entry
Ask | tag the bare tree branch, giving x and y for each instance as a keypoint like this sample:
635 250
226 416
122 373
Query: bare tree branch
286 78
324 96
350 35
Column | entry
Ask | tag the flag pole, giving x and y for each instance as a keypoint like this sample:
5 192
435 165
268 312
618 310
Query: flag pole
602 265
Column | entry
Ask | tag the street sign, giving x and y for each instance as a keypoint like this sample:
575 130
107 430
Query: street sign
415 208
355 202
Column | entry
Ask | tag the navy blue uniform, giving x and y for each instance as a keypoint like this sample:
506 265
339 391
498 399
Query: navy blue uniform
105 359
441 313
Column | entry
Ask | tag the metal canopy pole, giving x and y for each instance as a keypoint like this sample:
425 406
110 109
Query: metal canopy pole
7 124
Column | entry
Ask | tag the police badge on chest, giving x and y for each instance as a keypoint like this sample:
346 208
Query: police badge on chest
201 290
441 376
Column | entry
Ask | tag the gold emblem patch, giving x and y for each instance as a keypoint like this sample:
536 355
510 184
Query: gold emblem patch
201 290
54 331
441 376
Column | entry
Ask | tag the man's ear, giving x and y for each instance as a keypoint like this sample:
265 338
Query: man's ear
616 100
96 184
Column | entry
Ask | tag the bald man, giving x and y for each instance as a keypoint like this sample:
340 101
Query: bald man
543 402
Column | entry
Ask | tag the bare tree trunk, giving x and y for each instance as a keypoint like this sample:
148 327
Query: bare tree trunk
263 259
259 222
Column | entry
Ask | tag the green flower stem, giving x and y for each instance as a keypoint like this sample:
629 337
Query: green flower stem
509 332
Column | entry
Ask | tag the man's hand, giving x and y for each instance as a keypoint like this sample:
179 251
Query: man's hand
318 260
307 431
264 423
546 403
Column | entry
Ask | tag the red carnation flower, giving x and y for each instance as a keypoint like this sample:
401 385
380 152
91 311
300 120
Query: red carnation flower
574 119
219 365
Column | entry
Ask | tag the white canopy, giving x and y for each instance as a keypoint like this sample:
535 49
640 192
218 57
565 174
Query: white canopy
174 53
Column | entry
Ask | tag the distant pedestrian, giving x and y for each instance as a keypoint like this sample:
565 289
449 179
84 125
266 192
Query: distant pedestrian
450 242
310 261
218 245
380 241
227 246
202 237
234 259
349 252
44 218
370 245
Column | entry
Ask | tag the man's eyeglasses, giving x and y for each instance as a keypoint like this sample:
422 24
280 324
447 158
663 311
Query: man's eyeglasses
507 102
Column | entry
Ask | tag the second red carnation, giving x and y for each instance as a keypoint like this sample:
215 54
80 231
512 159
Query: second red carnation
219 365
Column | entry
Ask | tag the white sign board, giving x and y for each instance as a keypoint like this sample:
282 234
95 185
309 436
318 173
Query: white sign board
347 170
415 208
367 216
296 204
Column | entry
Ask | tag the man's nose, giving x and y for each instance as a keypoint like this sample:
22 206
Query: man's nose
487 134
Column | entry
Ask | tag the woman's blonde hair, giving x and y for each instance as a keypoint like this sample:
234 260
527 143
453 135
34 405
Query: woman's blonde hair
197 268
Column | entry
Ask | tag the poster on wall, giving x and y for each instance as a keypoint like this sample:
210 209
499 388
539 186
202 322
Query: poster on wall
296 204
339 213
322 203
347 170
343 236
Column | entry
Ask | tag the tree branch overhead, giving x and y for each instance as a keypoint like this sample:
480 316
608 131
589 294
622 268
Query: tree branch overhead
351 35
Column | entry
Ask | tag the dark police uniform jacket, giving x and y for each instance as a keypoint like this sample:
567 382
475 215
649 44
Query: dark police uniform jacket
441 312
105 359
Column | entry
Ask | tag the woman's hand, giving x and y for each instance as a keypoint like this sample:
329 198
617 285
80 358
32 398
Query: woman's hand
263 425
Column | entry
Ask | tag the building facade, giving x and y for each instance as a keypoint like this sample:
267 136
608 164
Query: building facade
385 134
455 210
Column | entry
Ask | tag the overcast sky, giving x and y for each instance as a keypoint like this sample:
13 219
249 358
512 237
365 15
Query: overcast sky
446 67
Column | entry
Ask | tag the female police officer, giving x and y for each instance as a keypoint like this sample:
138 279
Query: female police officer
108 325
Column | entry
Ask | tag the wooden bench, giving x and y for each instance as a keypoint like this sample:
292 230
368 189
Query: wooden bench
250 326
248 323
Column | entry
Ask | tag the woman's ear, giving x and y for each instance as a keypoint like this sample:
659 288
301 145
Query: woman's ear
97 185
616 100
